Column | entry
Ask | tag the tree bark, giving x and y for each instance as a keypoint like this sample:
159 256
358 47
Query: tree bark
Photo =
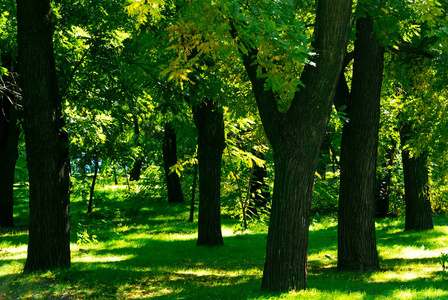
46 142
296 137
208 118
416 187
356 216
170 159
92 187
9 138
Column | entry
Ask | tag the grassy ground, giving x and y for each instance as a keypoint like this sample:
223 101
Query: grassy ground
134 247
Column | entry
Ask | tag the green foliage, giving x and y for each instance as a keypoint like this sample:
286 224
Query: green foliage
85 238
444 261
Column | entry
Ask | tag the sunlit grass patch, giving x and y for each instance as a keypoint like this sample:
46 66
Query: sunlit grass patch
145 248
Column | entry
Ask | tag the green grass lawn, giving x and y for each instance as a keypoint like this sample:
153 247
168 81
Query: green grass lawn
135 247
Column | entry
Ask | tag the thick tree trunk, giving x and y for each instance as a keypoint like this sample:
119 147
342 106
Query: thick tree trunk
46 142
209 122
92 187
356 216
170 159
9 138
416 187
287 246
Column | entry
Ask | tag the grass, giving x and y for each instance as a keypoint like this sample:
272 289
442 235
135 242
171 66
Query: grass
133 247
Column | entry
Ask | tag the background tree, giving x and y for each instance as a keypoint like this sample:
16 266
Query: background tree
169 160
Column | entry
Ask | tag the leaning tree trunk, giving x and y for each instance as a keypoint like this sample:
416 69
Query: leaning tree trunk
9 138
356 215
46 142
208 118
416 187
170 159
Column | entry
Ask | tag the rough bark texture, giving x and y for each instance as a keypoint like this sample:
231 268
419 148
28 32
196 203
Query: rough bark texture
170 159
416 187
46 142
209 122
296 138
356 215
9 138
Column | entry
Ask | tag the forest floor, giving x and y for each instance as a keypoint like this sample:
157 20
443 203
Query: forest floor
135 247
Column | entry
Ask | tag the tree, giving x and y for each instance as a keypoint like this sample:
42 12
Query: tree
170 159
46 141
208 118
356 213
416 184
296 136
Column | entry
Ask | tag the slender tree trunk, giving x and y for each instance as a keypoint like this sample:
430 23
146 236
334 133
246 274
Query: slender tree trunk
135 173
9 138
356 216
208 118
383 184
46 142
259 193
92 187
170 159
193 193
416 187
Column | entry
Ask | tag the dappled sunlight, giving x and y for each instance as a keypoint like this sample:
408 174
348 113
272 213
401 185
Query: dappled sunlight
92 258
13 253
412 294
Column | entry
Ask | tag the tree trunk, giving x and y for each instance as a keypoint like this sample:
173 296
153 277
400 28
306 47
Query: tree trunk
193 193
9 138
356 216
296 137
169 160
259 193
416 187
92 187
208 118
382 192
136 170
46 142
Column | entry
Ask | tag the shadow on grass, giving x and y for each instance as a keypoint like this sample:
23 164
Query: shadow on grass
329 280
